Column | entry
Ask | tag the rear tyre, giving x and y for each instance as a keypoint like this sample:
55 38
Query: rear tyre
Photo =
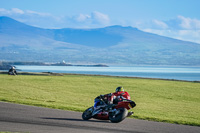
87 114
120 116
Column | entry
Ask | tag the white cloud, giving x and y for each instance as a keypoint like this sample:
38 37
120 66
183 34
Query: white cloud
188 23
82 17
181 27
47 20
3 11
153 24
185 22
13 11
95 19
17 11
37 13
160 24
100 18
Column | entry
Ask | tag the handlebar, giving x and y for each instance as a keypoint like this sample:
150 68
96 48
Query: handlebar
102 98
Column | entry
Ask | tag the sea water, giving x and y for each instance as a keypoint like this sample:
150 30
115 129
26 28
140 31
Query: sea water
162 72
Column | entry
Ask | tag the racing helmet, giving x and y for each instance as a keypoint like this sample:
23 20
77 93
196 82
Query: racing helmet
118 89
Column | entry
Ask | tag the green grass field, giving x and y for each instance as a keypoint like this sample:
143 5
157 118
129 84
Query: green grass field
158 100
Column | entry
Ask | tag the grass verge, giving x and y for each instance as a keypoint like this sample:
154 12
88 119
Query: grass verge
157 100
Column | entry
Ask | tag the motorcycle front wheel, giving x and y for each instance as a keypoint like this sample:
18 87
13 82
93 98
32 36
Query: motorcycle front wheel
119 116
87 114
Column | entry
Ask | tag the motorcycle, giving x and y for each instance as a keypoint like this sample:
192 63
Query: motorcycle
12 71
114 112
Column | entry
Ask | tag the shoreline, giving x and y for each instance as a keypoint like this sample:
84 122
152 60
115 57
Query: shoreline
62 74
6 65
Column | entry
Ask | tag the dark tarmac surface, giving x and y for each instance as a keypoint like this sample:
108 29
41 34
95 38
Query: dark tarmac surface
23 118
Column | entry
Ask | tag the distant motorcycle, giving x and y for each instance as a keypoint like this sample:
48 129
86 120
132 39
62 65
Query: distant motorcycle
12 71
115 112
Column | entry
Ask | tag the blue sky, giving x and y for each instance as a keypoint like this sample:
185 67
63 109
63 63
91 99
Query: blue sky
173 18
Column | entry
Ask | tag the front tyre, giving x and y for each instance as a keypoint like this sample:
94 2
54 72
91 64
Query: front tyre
87 114
119 116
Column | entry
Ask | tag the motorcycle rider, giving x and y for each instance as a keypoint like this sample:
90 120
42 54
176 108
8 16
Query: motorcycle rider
119 94
112 98
12 71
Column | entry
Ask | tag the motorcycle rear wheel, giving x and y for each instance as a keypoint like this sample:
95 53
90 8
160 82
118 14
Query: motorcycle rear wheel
119 117
87 114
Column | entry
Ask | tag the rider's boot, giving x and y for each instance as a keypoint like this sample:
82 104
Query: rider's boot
130 113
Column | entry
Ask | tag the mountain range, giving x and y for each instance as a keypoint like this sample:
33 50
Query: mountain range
109 45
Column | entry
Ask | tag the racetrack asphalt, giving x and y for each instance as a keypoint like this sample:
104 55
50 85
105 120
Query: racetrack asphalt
24 118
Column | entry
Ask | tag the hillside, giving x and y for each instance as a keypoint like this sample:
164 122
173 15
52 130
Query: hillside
109 45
